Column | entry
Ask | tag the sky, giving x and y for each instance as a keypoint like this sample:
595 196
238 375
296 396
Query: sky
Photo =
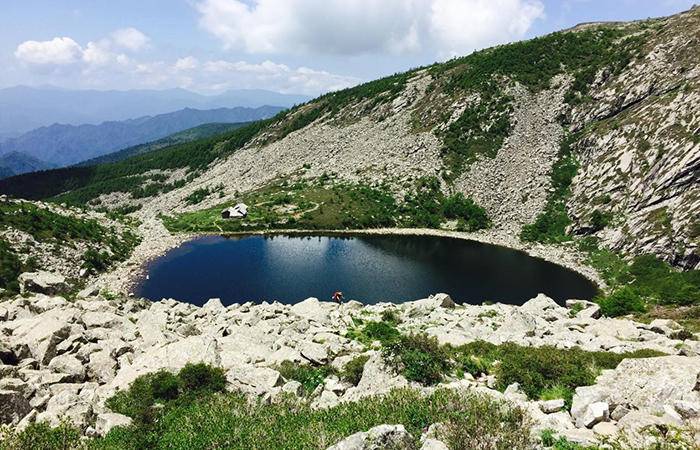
291 46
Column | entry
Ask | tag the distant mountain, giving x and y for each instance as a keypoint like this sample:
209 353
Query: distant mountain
189 135
25 108
63 145
16 163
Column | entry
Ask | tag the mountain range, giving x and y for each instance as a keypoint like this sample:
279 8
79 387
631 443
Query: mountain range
62 145
25 108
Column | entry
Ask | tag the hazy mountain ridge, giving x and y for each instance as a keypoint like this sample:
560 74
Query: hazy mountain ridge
25 108
61 145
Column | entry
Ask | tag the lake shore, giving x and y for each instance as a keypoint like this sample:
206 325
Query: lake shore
157 241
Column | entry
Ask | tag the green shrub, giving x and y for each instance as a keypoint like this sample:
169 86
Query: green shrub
193 380
385 332
232 421
201 377
309 376
41 436
600 220
471 216
352 372
10 268
165 386
623 301
419 357
391 316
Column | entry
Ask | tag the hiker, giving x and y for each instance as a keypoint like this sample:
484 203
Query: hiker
338 297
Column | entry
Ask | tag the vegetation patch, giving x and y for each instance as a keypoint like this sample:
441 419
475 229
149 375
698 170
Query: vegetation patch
80 185
232 421
329 204
105 245
550 225
637 285
309 376
484 125
542 372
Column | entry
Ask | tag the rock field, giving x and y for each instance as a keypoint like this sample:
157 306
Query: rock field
63 359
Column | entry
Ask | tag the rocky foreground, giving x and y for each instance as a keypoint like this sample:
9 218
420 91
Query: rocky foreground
61 359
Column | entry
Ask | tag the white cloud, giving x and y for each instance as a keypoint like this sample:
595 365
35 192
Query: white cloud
130 39
58 51
97 53
186 63
220 75
366 26
460 25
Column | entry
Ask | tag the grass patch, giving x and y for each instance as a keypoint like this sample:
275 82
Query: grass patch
352 372
367 332
327 204
141 399
231 421
309 376
641 283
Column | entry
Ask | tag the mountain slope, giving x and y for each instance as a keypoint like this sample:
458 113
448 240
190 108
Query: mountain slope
25 108
15 163
593 131
62 145
188 135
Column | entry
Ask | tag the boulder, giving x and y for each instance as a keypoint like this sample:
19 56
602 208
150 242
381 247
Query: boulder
433 444
606 429
426 305
66 405
595 413
656 381
552 406
102 367
42 282
253 379
70 365
41 334
214 305
99 319
376 379
13 406
316 353
379 437
544 307
313 310
292 387
107 421
327 399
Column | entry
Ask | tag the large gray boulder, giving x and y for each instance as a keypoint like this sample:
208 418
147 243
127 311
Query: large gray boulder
107 421
41 334
70 365
378 438
13 406
42 282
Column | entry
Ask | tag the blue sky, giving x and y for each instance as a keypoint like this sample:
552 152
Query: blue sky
299 46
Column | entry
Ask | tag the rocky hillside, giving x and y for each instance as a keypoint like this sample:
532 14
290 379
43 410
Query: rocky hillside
78 245
63 360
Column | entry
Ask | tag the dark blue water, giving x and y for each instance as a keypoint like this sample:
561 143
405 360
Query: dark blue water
366 268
